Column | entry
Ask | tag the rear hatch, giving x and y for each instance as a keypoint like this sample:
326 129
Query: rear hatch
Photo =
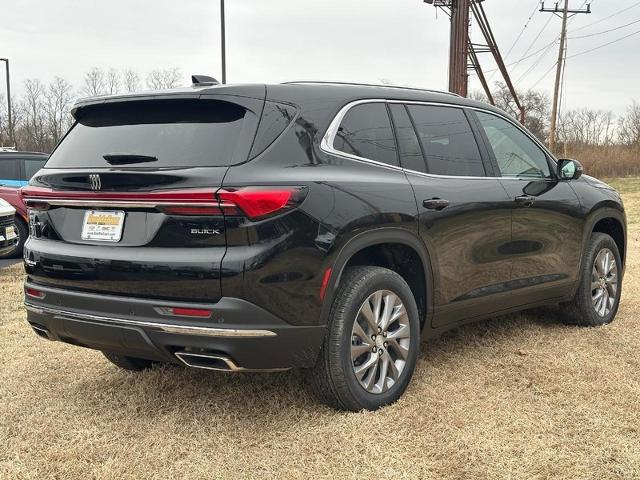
127 203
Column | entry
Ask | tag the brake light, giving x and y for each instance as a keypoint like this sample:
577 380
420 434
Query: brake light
255 202
258 202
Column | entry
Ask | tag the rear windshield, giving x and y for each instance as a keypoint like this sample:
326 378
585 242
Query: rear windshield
167 133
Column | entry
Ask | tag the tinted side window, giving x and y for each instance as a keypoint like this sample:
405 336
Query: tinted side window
447 140
31 167
410 152
9 169
275 118
517 155
365 131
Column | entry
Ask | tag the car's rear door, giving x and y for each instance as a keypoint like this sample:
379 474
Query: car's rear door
547 226
464 214
127 203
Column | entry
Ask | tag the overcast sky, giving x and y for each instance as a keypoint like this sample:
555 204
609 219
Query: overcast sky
400 41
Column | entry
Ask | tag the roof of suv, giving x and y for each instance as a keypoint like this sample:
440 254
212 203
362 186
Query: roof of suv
17 153
291 91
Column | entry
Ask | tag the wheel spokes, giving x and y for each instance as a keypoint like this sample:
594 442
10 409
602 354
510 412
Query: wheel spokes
604 282
380 341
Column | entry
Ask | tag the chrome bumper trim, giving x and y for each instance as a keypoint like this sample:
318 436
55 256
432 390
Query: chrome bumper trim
163 327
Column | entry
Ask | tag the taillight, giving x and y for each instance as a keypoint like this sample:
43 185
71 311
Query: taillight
254 202
258 202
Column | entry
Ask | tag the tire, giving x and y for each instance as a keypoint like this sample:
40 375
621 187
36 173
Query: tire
132 364
23 232
333 378
582 310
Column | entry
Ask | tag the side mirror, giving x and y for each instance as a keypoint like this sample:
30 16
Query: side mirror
569 169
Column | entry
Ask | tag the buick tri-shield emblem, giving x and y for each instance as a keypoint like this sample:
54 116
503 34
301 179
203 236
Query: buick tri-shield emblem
95 182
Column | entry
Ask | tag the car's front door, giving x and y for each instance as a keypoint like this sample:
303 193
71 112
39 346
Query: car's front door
546 227
464 212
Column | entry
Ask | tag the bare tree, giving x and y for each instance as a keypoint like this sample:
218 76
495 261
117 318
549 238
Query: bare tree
478 95
583 127
130 80
58 103
4 122
536 104
94 83
34 118
163 79
112 81
629 126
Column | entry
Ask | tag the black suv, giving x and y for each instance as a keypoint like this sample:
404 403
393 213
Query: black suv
328 227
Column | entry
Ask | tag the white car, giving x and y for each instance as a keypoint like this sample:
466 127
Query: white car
8 235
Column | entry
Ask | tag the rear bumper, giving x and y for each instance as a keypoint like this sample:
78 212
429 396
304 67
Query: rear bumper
242 335
7 246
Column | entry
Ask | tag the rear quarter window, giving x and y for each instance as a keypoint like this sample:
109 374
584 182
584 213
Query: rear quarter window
365 131
9 169
178 133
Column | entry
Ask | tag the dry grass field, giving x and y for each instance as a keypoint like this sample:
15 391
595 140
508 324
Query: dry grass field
515 397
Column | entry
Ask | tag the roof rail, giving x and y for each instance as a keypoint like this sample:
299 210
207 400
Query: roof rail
320 82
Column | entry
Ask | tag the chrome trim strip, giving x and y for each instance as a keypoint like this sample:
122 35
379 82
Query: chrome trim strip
326 144
163 327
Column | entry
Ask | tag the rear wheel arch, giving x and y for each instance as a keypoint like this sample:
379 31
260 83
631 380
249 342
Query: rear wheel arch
390 248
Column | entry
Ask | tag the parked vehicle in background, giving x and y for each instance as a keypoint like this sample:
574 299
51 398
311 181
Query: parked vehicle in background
8 235
16 168
322 226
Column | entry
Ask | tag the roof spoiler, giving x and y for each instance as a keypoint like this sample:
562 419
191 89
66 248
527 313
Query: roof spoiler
200 80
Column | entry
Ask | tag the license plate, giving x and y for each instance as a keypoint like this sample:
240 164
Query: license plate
102 226
10 233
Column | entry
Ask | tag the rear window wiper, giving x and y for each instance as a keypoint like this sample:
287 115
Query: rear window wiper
127 158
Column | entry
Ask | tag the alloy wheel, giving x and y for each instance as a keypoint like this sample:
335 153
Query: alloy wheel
380 341
604 282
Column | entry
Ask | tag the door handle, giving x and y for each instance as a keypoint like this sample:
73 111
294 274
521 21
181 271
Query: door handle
525 200
435 203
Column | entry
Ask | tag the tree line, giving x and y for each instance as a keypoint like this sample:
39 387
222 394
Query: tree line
608 144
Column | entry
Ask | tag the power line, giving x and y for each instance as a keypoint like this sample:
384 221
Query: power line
537 62
528 56
607 18
546 74
544 27
561 61
535 9
605 31
604 45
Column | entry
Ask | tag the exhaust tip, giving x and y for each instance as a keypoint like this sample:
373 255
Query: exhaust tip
208 361
41 331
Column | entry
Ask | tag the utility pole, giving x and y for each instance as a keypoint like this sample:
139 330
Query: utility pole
463 52
223 43
560 65
458 48
11 140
